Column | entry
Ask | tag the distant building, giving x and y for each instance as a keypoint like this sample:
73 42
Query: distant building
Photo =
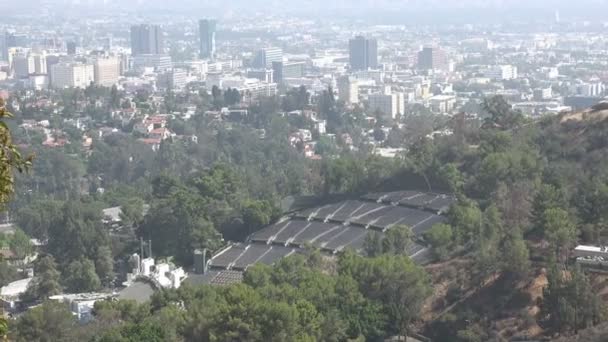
284 70
363 53
175 79
348 90
107 71
146 39
40 67
23 66
542 94
159 63
11 40
581 102
265 57
265 75
442 103
591 255
389 105
433 58
72 75
502 72
71 48
207 31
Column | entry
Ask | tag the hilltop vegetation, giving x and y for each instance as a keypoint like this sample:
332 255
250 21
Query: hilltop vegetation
528 192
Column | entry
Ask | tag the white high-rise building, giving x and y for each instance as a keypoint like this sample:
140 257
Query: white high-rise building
72 75
40 64
348 90
107 71
389 105
23 66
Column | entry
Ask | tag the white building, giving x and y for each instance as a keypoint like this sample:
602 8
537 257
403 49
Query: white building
40 64
38 82
502 72
163 274
157 62
82 304
543 94
107 71
390 105
72 75
348 90
23 66
10 293
442 103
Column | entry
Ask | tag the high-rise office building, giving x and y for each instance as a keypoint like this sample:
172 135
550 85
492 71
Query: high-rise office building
23 66
283 70
107 71
389 105
265 57
363 53
348 90
40 67
11 40
207 29
71 47
146 39
433 58
72 75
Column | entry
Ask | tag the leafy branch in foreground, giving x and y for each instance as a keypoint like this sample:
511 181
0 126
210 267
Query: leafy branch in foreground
10 157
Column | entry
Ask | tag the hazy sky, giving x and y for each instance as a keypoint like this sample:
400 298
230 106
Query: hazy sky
577 8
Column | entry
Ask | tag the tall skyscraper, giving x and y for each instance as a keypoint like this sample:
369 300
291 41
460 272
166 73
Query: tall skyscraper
207 38
433 58
9 40
363 53
146 40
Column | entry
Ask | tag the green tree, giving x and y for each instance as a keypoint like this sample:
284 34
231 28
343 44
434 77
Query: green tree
20 244
516 256
547 197
36 218
397 240
46 282
452 177
440 238
52 321
420 158
104 264
559 229
258 213
177 225
10 157
132 212
80 276
373 244
394 281
8 274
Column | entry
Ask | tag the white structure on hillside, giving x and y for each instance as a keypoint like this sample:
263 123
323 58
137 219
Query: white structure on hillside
164 275
82 304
